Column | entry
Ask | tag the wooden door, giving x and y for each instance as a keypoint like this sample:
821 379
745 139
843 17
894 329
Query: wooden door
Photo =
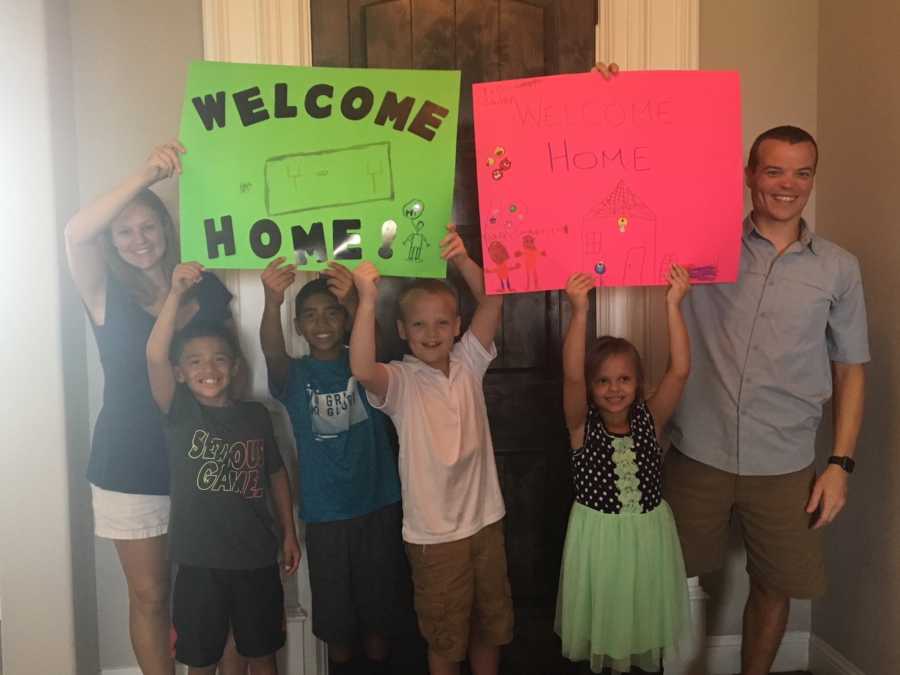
493 40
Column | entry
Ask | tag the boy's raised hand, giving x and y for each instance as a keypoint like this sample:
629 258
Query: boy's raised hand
185 276
275 279
577 288
679 284
164 161
340 282
366 277
452 247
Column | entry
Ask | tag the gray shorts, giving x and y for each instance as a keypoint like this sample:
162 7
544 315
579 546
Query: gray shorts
359 576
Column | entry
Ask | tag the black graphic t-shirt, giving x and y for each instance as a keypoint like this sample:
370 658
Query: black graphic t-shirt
220 460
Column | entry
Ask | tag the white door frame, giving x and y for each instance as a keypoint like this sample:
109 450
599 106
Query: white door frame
275 32
644 35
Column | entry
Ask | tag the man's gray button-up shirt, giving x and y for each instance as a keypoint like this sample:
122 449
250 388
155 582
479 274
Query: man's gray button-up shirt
761 354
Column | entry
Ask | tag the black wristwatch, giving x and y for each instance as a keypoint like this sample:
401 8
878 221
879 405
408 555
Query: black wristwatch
846 463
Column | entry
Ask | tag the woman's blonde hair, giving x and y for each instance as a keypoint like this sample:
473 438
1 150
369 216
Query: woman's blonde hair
135 281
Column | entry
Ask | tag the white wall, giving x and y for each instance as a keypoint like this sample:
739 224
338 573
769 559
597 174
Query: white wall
774 46
46 579
859 130
129 61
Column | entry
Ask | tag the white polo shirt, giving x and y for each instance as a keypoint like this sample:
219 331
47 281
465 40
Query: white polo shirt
447 469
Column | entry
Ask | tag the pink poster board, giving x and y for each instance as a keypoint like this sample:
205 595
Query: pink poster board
615 178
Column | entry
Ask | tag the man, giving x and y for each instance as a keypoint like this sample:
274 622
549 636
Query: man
766 351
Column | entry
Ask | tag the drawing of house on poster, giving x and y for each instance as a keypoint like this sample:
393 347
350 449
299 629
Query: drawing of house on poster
618 179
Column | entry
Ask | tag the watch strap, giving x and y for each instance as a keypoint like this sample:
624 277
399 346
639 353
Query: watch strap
846 463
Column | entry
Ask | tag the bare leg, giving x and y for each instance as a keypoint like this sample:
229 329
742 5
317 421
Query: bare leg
146 566
438 665
232 663
376 647
765 618
339 655
483 658
208 670
264 665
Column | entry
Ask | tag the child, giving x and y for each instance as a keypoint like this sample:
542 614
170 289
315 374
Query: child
350 496
222 460
452 505
622 593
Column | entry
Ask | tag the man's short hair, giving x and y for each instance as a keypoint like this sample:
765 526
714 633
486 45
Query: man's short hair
432 286
786 133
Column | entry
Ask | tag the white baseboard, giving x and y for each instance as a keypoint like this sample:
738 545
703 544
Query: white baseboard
826 660
723 653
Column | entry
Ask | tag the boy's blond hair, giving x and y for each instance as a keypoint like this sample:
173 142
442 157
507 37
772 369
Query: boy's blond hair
430 286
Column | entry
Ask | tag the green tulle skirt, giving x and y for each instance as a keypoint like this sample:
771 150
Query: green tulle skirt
622 599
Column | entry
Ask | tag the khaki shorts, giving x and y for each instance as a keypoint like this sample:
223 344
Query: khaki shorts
461 589
784 553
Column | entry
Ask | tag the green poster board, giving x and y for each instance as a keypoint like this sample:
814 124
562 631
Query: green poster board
315 164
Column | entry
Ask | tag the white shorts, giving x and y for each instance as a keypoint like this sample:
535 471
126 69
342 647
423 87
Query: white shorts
119 515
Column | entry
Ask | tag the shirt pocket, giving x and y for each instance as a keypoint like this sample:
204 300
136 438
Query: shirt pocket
802 312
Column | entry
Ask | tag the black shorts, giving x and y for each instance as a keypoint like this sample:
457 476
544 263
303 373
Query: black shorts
359 576
209 601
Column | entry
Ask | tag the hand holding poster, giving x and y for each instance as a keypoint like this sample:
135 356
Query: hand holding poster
618 179
316 164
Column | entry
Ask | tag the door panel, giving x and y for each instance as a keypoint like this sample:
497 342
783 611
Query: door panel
394 48
490 40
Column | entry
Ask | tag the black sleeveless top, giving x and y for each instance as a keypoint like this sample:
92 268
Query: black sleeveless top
129 450
619 473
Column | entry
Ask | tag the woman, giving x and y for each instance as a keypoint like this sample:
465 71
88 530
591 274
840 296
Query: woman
121 250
